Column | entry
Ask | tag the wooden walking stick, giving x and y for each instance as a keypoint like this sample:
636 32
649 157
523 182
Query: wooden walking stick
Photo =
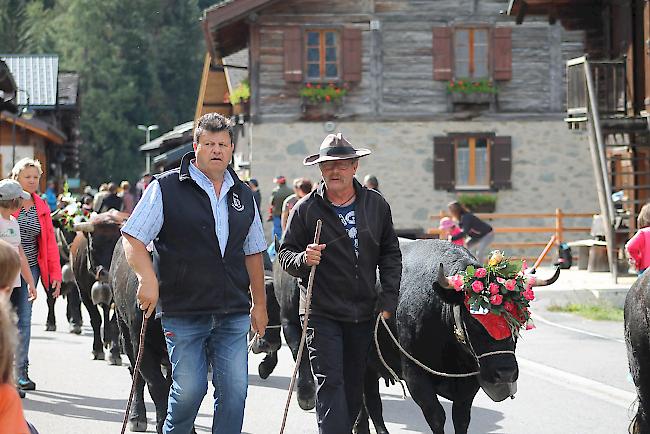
543 254
310 285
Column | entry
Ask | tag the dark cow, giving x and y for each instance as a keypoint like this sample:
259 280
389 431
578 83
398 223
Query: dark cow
637 339
92 250
69 288
124 285
429 330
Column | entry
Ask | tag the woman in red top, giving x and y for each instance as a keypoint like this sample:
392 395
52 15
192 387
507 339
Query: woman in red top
39 244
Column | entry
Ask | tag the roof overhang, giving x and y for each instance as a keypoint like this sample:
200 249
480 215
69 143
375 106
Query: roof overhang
36 126
571 12
225 25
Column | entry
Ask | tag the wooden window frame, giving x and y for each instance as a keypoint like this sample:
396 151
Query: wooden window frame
490 49
471 139
322 50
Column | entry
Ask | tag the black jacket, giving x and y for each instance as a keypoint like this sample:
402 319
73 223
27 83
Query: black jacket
344 285
193 275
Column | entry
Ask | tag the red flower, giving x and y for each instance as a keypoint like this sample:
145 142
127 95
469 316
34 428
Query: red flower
460 83
318 86
496 299
328 98
309 85
338 91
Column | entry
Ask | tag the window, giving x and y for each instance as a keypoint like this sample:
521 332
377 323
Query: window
322 55
471 53
472 162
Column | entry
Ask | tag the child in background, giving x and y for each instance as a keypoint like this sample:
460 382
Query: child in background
638 248
11 199
449 229
12 419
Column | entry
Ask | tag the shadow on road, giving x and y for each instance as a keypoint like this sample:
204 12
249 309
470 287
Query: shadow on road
76 406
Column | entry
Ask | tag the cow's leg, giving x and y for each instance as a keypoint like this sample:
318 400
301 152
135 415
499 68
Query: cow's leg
111 336
150 370
267 365
73 309
50 323
372 401
424 394
306 395
138 412
96 324
460 414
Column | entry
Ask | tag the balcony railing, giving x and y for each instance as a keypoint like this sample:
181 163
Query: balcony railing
610 87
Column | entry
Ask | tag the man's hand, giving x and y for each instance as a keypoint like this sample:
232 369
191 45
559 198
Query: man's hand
313 254
387 315
259 319
31 290
148 295
56 288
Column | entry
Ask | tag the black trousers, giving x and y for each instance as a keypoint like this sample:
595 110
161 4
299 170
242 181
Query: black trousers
338 352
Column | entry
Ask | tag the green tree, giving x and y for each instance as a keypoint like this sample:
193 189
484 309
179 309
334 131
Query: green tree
14 30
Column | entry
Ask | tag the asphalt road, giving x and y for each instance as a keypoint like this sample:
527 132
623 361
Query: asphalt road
573 379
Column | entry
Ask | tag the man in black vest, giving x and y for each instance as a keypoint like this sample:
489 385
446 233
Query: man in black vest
208 238
357 237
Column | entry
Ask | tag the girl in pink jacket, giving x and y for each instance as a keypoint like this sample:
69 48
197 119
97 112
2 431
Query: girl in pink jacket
638 248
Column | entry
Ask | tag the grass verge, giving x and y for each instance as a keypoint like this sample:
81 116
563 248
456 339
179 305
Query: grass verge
598 312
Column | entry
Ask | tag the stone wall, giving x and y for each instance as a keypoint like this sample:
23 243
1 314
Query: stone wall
551 166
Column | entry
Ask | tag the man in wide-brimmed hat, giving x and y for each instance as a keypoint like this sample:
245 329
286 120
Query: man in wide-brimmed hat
357 237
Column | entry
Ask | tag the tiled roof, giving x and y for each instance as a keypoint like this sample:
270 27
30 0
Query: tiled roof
37 75
68 88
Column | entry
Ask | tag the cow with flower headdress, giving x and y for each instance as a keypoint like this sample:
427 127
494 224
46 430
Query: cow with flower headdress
458 321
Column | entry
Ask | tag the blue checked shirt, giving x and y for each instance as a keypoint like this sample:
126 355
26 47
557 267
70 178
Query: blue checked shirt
146 220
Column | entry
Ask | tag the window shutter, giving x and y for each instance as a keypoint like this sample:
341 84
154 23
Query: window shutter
501 162
293 54
442 55
502 53
443 163
352 52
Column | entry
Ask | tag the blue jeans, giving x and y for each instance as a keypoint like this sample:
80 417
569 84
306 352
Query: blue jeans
193 341
19 299
277 228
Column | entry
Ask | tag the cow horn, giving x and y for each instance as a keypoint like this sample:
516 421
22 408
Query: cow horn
84 227
443 280
546 282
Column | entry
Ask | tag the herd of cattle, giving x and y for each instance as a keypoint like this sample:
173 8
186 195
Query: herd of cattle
425 325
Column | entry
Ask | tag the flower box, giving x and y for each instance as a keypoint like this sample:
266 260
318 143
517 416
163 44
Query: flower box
472 98
319 111
241 108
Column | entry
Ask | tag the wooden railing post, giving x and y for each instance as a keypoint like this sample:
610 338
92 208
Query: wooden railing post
558 226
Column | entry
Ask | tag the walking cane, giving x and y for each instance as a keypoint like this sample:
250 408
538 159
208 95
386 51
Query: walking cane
310 285
543 254
136 370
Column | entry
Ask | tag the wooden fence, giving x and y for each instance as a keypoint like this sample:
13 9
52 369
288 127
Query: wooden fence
557 226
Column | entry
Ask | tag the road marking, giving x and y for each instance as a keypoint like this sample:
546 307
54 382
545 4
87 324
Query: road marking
539 318
596 389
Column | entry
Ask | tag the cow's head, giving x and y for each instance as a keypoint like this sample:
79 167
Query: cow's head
485 336
102 233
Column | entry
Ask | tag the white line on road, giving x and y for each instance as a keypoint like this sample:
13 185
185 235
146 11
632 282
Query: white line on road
575 382
541 319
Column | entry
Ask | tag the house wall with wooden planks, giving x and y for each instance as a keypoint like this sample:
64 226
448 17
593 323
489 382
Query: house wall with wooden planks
397 57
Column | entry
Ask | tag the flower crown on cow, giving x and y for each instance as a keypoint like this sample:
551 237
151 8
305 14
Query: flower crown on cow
72 214
499 288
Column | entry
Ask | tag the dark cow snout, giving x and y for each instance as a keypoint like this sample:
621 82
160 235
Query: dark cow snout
499 370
